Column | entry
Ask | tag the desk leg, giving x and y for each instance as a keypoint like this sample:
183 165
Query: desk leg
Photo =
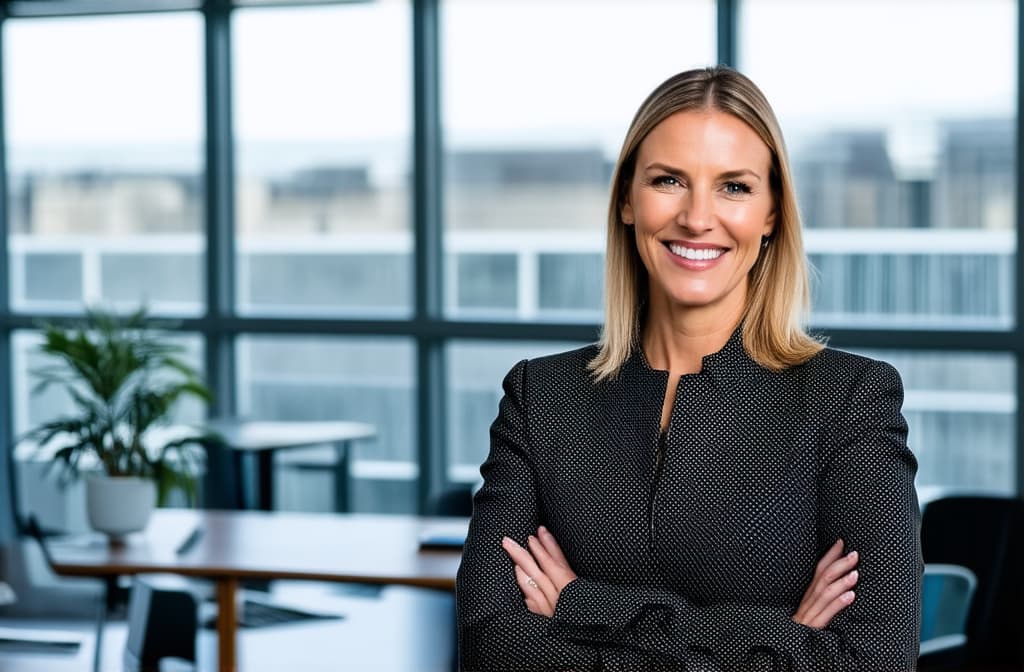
265 480
341 475
227 624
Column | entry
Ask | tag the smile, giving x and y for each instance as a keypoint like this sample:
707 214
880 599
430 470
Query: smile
702 254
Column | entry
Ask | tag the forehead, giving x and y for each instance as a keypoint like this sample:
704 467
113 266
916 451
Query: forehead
707 136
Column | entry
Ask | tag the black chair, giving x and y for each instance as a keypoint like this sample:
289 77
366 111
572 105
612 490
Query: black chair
947 593
985 535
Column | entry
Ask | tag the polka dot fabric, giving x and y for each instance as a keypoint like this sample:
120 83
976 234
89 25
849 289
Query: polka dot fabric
698 565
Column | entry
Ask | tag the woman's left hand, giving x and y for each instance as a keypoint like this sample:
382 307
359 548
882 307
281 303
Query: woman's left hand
541 570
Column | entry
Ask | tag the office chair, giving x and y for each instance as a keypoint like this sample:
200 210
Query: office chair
985 534
947 592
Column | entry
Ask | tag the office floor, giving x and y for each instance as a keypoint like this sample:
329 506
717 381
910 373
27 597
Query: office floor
395 630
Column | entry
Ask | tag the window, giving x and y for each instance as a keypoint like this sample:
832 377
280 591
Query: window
533 127
903 153
105 160
323 121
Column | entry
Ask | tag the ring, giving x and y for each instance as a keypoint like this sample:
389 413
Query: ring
530 582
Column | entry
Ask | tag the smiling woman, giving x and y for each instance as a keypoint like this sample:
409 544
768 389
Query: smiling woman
708 487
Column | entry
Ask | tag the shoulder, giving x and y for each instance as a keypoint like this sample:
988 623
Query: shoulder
840 370
570 363
561 369
850 382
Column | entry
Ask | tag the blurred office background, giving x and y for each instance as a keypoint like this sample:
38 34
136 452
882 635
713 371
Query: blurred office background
370 210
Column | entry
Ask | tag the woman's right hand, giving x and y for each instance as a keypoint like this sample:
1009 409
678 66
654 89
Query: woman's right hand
831 590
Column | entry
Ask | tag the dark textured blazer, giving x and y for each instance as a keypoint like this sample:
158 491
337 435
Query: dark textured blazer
693 551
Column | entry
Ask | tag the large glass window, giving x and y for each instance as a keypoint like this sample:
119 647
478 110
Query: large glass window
104 131
323 119
903 153
535 109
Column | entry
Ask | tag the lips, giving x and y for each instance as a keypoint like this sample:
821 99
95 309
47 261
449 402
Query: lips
694 257
694 253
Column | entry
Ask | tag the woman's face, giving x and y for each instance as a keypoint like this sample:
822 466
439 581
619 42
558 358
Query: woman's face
699 202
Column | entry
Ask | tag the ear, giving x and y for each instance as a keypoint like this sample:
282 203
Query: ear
769 224
626 214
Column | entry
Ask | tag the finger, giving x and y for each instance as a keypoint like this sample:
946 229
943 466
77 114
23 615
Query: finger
831 555
551 569
555 576
825 599
811 600
522 558
533 593
840 567
553 549
838 604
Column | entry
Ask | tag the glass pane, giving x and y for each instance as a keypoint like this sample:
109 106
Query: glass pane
961 410
903 152
323 122
532 135
326 379
475 372
105 158
38 492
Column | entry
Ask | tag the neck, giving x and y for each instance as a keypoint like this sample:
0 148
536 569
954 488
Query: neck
677 338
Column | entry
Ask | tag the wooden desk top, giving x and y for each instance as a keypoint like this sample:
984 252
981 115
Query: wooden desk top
359 548
258 435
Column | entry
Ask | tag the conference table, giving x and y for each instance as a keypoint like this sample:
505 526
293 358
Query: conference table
230 546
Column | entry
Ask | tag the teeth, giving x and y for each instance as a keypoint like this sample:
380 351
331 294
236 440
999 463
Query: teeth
696 255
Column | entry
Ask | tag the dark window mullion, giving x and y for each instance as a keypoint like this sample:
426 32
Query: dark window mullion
220 229
428 251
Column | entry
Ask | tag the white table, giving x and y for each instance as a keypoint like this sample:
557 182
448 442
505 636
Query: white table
259 440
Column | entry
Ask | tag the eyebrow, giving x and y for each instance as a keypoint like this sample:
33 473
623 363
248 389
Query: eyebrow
728 175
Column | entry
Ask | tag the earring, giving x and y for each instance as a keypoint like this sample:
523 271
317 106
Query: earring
764 242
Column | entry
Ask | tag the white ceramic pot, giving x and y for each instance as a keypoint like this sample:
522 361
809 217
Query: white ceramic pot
119 505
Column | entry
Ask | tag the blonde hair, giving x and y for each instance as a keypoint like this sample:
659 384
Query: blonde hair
777 297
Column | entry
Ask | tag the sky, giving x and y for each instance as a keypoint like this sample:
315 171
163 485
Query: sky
515 72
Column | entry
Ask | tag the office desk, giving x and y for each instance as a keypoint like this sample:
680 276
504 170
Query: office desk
231 546
260 440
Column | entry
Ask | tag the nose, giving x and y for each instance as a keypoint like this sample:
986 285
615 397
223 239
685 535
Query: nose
695 213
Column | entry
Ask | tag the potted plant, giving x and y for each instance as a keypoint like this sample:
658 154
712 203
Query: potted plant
124 379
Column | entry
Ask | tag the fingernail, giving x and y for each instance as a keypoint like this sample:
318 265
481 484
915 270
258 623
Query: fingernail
853 555
847 597
543 530
854 576
505 541
531 539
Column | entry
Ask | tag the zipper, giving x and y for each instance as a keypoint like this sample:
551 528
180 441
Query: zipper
659 463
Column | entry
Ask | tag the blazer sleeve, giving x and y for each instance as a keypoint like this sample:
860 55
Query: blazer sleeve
866 498
496 630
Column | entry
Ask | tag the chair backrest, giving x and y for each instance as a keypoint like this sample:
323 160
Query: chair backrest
946 597
985 535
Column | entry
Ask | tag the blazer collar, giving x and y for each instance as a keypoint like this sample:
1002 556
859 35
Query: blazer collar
727 367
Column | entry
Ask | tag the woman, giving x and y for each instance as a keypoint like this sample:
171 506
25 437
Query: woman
708 488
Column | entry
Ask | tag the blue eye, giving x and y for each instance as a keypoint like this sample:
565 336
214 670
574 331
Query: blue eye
665 181
736 188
